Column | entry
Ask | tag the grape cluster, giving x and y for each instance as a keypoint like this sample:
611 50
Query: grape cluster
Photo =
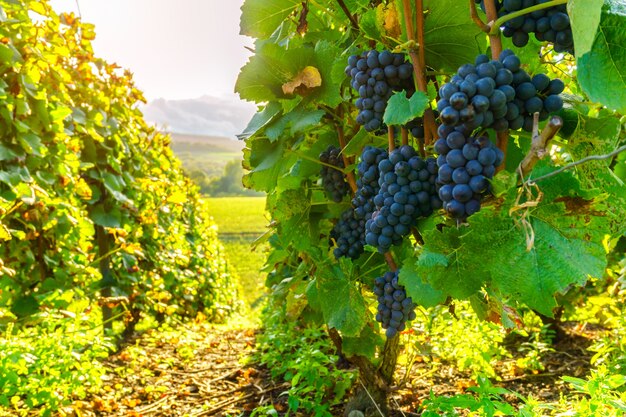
348 235
551 24
466 164
367 182
375 76
349 231
416 127
333 180
407 192
498 94
394 307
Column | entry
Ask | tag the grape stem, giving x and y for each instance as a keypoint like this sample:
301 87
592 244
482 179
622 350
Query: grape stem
346 161
350 16
496 23
405 136
391 262
417 54
494 37
538 147
474 15
390 139
502 138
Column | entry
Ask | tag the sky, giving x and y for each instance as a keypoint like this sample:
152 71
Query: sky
176 49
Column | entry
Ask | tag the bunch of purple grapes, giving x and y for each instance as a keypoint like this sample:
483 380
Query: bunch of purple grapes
333 179
407 191
551 24
349 231
497 94
375 76
466 165
394 307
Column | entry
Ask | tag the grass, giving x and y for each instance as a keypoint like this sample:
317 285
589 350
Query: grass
240 221
239 215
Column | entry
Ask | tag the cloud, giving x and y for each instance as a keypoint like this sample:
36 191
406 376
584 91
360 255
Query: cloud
206 115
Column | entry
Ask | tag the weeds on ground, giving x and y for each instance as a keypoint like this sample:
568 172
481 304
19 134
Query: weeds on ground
303 356
47 366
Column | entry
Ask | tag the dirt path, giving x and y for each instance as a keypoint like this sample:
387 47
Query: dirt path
205 371
199 372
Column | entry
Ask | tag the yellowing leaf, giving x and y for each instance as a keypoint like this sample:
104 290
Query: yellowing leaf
306 79
4 233
177 198
391 21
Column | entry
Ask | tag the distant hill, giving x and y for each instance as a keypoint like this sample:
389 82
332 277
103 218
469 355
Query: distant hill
208 154
204 115
210 143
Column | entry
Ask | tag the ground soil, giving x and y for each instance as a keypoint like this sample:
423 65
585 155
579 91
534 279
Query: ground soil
158 376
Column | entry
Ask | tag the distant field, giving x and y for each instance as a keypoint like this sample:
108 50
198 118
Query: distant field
239 215
208 154
240 221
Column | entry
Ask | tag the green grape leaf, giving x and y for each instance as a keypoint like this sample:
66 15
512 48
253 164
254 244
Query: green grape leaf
24 306
584 18
451 37
449 265
371 24
421 292
401 110
364 344
260 120
602 70
341 302
266 161
260 18
263 77
106 218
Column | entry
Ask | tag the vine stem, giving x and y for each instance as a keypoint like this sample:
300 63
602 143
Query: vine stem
474 15
350 16
405 136
496 23
538 145
617 151
419 61
391 262
346 161
502 138
390 139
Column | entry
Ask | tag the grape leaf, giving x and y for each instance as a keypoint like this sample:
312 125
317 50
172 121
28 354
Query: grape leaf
259 120
260 18
421 292
267 163
584 18
364 344
451 37
401 110
602 70
342 304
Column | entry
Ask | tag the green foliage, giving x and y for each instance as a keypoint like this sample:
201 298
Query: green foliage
585 17
53 364
601 71
529 244
487 400
441 335
94 209
303 356
451 37
401 110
